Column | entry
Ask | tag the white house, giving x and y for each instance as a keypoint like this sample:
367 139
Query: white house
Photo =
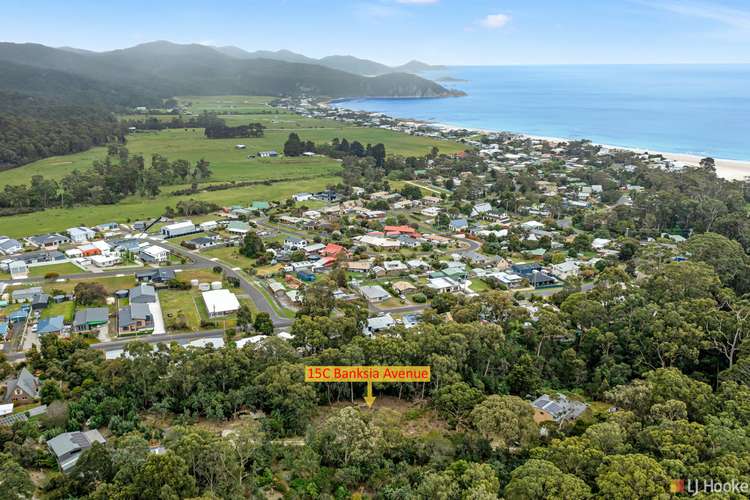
220 302
154 253
209 225
444 285
18 269
302 196
108 260
292 243
374 293
81 234
378 324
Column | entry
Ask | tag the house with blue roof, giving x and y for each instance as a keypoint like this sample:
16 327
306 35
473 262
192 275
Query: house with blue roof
458 225
19 315
3 330
53 324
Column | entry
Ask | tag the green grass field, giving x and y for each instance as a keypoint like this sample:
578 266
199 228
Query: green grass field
137 208
65 268
66 309
227 163
230 255
179 302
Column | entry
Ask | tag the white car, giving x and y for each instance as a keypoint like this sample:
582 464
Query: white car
34 327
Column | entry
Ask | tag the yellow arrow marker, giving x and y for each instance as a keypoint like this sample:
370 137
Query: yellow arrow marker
369 399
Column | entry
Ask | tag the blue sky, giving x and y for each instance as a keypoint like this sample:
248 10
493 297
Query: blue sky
394 31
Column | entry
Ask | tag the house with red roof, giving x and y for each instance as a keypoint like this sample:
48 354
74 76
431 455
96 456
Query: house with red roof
332 250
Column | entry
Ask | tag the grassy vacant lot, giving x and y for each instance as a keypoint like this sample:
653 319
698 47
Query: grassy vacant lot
176 303
230 255
66 309
65 268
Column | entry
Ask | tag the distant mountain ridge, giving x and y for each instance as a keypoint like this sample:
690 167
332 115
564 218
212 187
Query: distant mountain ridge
163 69
350 64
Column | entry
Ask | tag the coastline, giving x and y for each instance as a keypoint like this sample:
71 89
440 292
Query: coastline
725 168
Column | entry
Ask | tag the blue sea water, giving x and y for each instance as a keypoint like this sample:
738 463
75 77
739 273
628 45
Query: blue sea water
696 109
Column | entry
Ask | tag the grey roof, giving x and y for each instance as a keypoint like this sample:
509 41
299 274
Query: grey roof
153 274
561 408
373 292
41 256
128 315
72 443
91 315
26 292
43 239
27 382
9 244
142 293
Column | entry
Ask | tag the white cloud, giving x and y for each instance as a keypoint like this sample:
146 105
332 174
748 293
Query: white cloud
417 2
494 21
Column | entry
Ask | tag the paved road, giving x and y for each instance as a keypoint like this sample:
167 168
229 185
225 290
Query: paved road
114 345
106 274
261 303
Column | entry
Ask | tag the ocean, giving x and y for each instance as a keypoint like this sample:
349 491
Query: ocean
690 109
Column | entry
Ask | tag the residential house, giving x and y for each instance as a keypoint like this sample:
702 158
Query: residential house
18 269
81 234
374 293
378 242
359 266
458 225
107 227
404 287
332 250
395 267
51 325
90 318
238 227
134 317
268 154
69 446
201 242
22 390
302 196
9 246
40 257
378 324
444 285
154 254
25 294
155 276
565 270
142 294
106 260
292 243
48 241
209 225
481 209
560 409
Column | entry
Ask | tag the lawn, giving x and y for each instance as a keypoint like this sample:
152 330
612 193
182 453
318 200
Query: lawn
180 303
66 309
61 269
229 255
479 286
111 284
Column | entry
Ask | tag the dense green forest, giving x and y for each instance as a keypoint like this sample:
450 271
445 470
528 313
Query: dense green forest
659 352
34 127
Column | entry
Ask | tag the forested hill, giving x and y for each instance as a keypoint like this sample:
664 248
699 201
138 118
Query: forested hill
35 127
164 69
